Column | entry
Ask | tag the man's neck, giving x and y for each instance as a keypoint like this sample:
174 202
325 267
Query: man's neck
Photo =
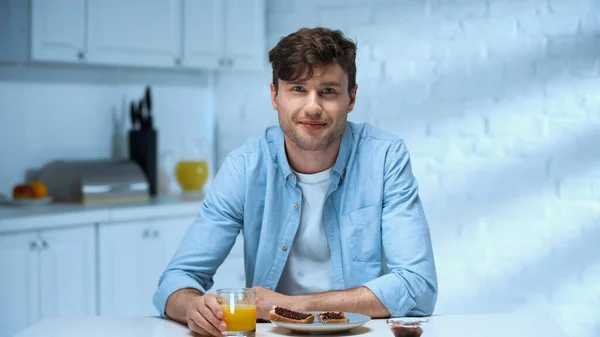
309 162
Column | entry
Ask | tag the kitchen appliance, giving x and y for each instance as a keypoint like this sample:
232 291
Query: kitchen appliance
96 181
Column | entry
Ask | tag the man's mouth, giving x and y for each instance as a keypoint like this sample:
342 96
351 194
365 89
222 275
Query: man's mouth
313 125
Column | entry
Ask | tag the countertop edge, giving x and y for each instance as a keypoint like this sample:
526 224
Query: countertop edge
57 216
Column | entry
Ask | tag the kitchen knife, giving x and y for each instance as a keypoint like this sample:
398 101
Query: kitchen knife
133 116
149 122
141 114
148 98
149 108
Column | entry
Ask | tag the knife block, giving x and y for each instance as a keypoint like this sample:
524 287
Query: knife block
142 150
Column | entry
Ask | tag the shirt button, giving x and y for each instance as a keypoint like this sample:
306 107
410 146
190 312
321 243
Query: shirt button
292 177
284 247
295 206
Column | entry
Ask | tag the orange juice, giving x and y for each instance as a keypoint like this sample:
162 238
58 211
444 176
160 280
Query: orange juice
242 317
191 175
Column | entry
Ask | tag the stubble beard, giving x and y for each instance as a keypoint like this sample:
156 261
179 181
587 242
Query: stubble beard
309 143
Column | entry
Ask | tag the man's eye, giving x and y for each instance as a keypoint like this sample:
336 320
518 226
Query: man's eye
297 88
328 91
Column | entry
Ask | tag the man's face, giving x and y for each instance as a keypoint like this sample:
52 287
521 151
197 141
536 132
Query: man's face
313 113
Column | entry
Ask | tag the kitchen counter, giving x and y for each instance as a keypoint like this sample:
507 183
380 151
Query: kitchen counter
498 325
20 218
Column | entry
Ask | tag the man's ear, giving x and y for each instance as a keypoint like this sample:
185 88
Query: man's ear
352 97
273 96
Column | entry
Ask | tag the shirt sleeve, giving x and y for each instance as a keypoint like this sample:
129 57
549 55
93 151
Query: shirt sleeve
209 239
410 286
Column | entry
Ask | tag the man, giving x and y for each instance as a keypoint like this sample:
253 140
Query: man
329 209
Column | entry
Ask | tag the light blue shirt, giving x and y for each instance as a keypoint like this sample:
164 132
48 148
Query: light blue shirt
374 222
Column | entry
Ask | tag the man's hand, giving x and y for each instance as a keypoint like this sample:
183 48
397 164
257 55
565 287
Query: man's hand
266 299
204 316
201 312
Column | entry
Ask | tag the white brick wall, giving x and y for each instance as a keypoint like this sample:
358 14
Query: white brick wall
498 102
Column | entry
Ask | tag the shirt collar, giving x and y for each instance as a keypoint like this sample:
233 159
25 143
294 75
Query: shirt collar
275 139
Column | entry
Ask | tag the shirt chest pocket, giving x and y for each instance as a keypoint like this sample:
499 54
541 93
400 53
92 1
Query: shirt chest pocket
361 229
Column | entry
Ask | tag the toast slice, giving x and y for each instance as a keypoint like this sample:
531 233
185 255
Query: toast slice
290 316
332 317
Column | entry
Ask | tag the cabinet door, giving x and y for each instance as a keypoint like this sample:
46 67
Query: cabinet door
68 272
58 30
134 32
170 232
133 255
19 274
245 45
203 33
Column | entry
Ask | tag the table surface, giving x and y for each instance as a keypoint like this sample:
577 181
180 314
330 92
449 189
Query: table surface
497 325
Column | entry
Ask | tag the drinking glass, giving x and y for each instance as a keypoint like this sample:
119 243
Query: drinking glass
239 311
191 168
407 326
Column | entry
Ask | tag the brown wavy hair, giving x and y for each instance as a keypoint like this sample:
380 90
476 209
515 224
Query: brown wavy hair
297 54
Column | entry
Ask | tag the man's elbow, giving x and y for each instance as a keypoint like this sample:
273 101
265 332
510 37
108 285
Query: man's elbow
425 304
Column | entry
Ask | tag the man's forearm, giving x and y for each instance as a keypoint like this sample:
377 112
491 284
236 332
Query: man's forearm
178 303
359 300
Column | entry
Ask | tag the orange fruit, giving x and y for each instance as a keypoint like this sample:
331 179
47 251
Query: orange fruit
39 189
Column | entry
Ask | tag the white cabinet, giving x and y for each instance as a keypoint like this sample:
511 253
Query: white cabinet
57 30
19 282
169 34
68 272
134 32
46 274
203 33
134 254
224 34
107 268
245 43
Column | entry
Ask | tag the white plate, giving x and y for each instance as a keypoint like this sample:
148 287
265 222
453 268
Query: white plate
25 202
355 321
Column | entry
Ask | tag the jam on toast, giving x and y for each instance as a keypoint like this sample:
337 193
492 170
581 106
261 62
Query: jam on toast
332 317
290 316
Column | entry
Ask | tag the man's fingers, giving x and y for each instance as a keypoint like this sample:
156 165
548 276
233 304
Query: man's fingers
197 329
201 322
262 311
214 306
212 319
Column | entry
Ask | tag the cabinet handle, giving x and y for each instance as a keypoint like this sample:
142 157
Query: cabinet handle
146 233
81 55
178 61
33 245
230 62
44 244
155 233
221 62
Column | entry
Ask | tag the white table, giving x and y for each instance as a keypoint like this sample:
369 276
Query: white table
513 325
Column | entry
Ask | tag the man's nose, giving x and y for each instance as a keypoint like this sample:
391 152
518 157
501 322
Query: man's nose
313 104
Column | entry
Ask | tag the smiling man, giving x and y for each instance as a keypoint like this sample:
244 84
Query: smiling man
329 209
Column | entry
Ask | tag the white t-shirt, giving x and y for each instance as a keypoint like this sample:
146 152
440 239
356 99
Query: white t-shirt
308 267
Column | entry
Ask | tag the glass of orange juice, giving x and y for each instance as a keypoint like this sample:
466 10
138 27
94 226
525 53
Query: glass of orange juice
191 168
191 174
239 311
